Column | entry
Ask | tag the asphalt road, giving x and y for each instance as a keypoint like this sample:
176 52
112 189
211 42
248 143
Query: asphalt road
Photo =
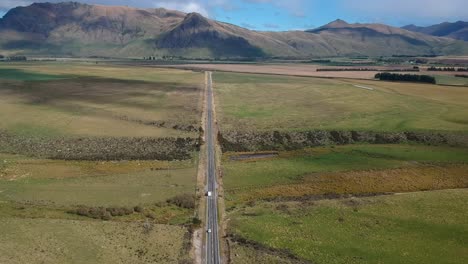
212 238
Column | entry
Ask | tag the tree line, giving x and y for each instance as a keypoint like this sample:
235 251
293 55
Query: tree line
386 76
13 58
414 69
450 69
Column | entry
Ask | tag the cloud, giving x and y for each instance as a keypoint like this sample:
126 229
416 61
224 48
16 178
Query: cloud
184 6
247 25
200 6
294 7
362 10
8 4
409 10
272 26
205 7
309 26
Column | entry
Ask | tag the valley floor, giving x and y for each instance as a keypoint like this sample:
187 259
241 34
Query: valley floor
98 163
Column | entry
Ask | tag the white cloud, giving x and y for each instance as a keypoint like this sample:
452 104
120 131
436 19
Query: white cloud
247 25
271 25
199 6
184 6
409 9
369 10
294 7
7 4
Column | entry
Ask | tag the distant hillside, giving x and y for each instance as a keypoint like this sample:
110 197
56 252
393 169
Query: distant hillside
457 30
74 29
198 33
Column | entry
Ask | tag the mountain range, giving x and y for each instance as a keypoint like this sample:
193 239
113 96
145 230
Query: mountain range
457 30
75 29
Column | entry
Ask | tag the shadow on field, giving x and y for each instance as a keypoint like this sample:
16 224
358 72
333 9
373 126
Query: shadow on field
161 104
20 75
93 90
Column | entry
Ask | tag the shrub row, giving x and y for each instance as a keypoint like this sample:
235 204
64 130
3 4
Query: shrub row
105 213
414 69
165 124
385 76
276 140
99 148
284 253
13 58
183 200
461 75
451 69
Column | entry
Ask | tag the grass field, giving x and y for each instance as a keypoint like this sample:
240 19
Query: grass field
59 70
59 241
57 211
451 80
291 208
265 102
125 183
249 254
49 188
38 198
408 228
76 99
351 169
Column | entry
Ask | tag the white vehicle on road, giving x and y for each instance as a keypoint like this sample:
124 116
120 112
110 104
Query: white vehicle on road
209 194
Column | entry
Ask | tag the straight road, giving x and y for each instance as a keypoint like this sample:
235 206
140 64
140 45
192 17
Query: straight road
212 238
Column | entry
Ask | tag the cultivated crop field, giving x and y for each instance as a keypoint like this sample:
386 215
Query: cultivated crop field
97 162
346 200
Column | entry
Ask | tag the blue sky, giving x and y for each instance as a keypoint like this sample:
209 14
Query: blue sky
278 15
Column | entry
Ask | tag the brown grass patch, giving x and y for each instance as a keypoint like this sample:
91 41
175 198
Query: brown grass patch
419 178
